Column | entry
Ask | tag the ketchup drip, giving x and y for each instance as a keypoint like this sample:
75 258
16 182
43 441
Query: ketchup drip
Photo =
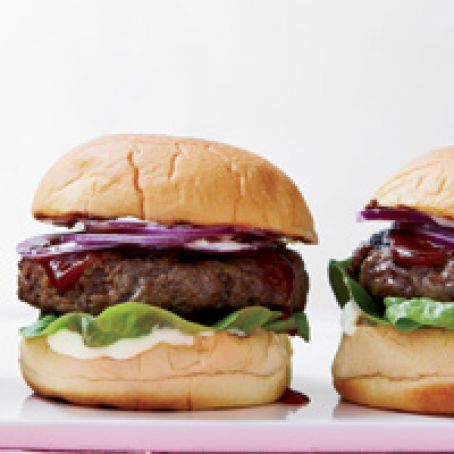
292 397
64 271
410 249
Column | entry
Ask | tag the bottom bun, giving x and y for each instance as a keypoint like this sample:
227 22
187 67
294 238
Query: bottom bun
380 367
429 395
218 371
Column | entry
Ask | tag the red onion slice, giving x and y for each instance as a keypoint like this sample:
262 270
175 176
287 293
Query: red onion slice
443 222
398 215
51 245
54 245
404 217
436 230
131 232
115 239
442 236
28 245
138 226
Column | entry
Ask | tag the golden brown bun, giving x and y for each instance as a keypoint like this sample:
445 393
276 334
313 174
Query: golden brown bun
217 371
426 185
429 395
380 367
170 180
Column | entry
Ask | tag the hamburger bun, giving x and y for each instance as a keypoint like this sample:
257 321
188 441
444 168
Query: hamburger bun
426 185
381 367
172 180
218 371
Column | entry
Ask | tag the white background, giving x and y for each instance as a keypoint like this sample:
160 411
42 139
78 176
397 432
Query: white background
338 94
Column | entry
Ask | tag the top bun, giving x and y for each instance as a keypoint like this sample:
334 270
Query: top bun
426 185
172 180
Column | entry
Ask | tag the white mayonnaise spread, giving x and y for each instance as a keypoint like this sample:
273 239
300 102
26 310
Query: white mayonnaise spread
349 318
220 246
70 343
133 219
236 332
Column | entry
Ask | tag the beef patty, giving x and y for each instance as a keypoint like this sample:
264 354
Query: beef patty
375 266
201 287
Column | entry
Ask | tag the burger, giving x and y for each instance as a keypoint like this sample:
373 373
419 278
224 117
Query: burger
397 295
173 286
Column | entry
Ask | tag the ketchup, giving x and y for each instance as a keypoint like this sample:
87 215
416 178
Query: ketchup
277 271
410 249
64 271
292 397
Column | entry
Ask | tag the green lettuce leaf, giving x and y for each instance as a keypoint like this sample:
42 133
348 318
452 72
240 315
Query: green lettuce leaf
345 288
130 320
409 314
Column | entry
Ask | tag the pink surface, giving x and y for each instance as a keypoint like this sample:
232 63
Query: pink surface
239 437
